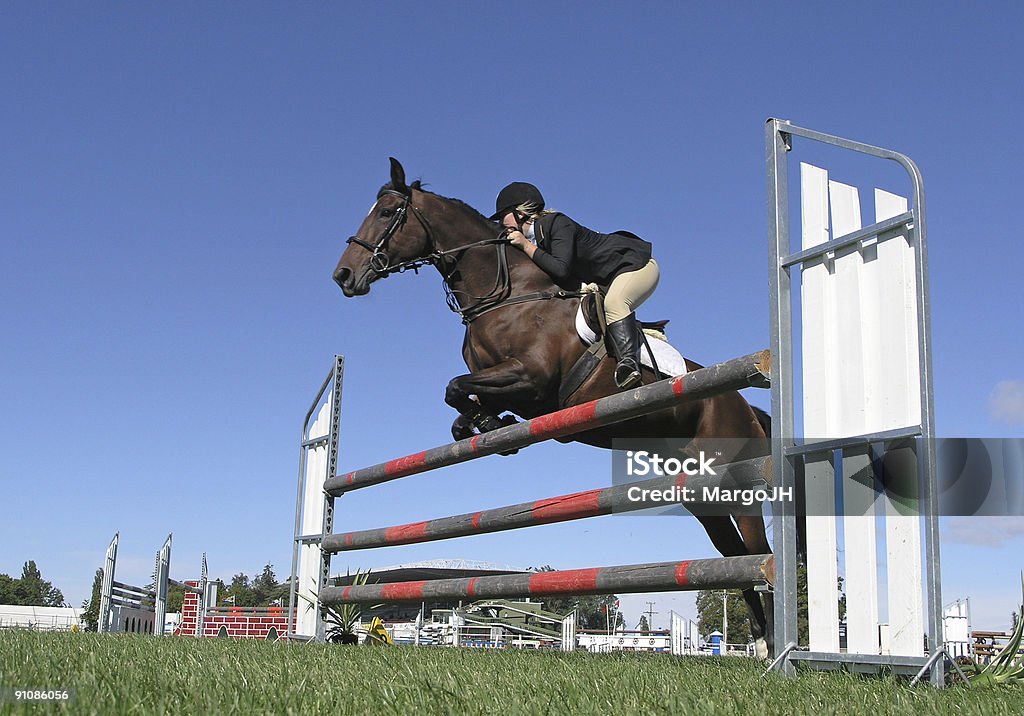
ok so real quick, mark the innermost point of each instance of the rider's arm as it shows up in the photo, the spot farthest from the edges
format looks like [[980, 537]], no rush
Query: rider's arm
[[558, 263], [522, 243]]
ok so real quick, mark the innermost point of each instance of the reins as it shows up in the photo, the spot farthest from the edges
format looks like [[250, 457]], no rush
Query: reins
[[499, 296]]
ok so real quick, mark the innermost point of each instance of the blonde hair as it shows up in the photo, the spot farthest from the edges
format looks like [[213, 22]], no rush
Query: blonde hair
[[532, 211]]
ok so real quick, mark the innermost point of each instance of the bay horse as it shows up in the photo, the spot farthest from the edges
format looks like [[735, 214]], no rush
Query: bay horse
[[521, 340]]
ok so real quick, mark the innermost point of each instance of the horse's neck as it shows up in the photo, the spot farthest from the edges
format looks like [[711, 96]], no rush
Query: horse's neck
[[476, 271]]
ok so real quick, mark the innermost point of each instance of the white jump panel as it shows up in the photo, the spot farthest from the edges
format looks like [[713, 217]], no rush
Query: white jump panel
[[312, 523], [860, 375], [107, 586], [820, 378], [854, 341]]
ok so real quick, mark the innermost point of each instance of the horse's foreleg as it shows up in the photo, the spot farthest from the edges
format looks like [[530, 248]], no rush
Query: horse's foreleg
[[462, 428], [487, 386]]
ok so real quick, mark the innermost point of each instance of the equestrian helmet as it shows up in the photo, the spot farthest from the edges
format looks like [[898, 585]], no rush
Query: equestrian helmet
[[516, 193]]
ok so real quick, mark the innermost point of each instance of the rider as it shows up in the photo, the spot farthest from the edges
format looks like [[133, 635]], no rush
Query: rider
[[619, 263]]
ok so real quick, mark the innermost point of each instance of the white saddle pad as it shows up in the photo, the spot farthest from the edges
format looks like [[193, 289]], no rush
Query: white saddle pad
[[670, 361]]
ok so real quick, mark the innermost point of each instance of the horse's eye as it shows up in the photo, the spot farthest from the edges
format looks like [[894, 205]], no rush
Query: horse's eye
[[387, 212]]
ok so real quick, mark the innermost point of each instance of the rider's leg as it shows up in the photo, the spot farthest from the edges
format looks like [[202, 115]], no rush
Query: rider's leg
[[626, 292]]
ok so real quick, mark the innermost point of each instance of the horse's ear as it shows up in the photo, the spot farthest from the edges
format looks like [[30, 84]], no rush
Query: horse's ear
[[398, 176]]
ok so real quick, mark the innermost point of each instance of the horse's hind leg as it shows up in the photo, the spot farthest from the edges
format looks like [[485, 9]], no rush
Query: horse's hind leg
[[762, 611], [726, 539], [725, 419]]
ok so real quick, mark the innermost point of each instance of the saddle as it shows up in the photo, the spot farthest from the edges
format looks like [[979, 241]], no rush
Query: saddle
[[592, 310], [592, 305]]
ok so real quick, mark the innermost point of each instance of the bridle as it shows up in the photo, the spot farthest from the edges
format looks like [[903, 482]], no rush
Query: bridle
[[380, 262], [497, 297]]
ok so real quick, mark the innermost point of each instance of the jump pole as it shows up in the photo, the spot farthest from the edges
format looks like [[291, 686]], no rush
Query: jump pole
[[319, 484], [750, 371], [748, 474], [718, 573]]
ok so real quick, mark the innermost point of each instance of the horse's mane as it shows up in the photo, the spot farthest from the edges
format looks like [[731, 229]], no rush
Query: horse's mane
[[418, 186]]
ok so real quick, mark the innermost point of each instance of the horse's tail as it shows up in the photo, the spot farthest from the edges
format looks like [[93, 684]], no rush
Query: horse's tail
[[765, 421]]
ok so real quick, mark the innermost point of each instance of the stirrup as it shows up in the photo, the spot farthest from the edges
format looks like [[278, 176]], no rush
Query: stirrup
[[627, 374]]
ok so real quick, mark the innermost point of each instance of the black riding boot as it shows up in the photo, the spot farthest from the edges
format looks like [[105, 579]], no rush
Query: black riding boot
[[625, 345]]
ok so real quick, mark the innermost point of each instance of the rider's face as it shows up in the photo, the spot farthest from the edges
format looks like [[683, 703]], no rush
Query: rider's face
[[509, 220]]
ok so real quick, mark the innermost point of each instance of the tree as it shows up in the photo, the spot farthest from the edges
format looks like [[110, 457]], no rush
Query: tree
[[592, 612], [33, 591], [241, 591], [643, 625], [91, 615], [709, 610], [802, 622], [265, 586], [709, 614], [175, 598], [7, 589]]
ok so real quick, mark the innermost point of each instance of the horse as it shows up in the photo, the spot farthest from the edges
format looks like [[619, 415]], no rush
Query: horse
[[520, 342]]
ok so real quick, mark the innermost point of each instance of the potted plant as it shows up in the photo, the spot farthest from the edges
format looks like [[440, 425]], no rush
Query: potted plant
[[1006, 668], [343, 620]]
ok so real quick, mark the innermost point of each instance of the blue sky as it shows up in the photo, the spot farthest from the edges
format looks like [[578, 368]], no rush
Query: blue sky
[[177, 182]]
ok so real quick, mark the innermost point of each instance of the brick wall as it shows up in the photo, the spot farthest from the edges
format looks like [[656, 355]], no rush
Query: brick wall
[[240, 622]]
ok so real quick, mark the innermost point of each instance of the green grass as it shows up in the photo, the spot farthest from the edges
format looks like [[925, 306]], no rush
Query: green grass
[[142, 675]]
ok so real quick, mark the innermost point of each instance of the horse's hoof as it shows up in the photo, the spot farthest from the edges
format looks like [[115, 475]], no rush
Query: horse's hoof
[[487, 423], [462, 428], [761, 648], [506, 421]]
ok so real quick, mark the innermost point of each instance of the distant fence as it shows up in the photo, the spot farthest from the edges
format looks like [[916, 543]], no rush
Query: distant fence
[[16, 616]]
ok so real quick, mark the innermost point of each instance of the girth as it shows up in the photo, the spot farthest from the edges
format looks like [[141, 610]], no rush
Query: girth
[[471, 315]]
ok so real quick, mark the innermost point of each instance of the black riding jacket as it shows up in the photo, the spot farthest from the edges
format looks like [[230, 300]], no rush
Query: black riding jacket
[[566, 250]]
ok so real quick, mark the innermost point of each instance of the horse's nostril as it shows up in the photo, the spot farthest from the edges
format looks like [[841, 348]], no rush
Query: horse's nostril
[[341, 276]]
